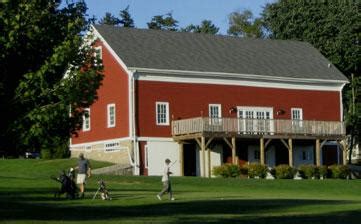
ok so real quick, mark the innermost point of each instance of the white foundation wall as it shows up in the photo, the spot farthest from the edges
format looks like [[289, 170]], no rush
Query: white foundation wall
[[216, 157], [158, 152]]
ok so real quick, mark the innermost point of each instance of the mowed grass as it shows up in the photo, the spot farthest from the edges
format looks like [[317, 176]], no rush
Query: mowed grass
[[26, 196]]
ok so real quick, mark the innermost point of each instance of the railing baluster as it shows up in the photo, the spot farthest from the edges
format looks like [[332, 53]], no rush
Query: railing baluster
[[257, 126]]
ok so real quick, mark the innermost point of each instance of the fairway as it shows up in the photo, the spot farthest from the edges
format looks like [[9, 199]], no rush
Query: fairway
[[26, 196]]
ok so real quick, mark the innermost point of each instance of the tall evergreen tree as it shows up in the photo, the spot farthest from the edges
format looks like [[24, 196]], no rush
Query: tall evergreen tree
[[126, 19], [206, 27], [163, 22], [334, 28], [243, 24], [109, 19], [48, 74]]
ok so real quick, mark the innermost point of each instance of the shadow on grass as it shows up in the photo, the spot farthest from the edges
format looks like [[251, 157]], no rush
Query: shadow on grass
[[201, 211]]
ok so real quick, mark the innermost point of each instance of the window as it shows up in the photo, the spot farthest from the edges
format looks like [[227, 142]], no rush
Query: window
[[98, 52], [256, 155], [297, 117], [111, 115], [162, 113], [215, 113], [297, 114], [86, 120], [306, 155]]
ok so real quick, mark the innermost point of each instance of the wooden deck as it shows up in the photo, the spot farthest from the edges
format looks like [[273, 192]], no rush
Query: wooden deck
[[255, 128]]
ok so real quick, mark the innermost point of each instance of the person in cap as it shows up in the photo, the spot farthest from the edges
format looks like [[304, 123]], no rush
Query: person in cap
[[167, 188], [84, 171]]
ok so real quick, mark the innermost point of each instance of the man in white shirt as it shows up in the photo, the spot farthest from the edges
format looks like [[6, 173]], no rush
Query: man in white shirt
[[166, 182]]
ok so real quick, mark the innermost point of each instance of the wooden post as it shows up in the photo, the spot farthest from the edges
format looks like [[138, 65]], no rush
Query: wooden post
[[234, 150], [181, 159], [318, 152], [203, 162], [290, 154], [344, 152], [262, 156]]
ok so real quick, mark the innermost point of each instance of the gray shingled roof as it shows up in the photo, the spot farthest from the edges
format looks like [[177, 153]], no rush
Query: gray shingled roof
[[155, 49]]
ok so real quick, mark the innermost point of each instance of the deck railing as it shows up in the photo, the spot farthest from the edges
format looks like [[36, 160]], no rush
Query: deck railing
[[257, 126]]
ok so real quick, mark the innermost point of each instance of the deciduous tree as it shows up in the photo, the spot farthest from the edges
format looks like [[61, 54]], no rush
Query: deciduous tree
[[49, 72], [243, 24], [334, 28]]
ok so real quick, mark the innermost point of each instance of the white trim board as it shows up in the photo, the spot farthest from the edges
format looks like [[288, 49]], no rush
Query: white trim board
[[239, 82], [101, 142], [155, 139], [234, 75]]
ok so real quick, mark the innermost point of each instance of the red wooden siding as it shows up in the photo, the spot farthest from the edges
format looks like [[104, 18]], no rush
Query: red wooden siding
[[191, 100], [114, 89]]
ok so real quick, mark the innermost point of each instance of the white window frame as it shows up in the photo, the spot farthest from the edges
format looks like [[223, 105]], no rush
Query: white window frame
[[218, 106], [306, 155], [99, 52], [215, 120], [109, 116], [86, 120], [158, 122], [247, 116], [297, 123], [300, 112]]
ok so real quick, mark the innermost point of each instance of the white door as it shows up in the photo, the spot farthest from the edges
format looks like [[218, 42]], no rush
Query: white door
[[255, 120]]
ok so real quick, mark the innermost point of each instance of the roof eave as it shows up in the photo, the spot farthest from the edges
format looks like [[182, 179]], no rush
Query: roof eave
[[236, 76]]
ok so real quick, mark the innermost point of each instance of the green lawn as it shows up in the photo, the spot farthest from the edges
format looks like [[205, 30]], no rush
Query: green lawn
[[26, 196]]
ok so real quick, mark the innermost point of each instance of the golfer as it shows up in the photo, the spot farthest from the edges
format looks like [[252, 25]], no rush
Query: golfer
[[84, 171], [167, 188]]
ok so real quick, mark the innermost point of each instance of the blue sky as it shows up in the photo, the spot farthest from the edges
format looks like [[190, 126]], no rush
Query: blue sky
[[185, 11]]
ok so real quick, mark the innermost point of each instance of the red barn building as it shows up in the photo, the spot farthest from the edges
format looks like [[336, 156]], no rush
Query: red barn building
[[204, 100]]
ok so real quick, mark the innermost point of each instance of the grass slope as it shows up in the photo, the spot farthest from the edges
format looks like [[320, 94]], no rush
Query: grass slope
[[26, 196]]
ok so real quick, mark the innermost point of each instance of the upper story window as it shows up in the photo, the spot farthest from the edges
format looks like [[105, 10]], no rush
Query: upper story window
[[99, 52], [297, 114], [215, 111], [86, 120], [111, 115], [162, 113]]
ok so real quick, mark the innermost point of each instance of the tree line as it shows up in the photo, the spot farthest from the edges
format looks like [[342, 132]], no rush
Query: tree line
[[49, 72]]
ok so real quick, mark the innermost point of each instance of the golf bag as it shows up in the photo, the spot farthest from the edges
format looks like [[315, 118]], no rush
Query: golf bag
[[104, 193], [68, 186]]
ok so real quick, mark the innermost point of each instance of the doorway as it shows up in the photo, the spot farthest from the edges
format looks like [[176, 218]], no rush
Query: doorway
[[190, 159]]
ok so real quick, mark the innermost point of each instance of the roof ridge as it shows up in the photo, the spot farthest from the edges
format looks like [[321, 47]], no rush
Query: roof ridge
[[222, 36]]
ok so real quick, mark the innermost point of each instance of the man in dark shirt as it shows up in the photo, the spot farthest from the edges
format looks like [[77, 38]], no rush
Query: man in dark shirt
[[84, 171]]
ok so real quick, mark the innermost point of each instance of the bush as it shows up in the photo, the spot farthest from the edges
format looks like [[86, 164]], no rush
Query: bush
[[322, 171], [307, 171], [227, 170], [244, 171], [284, 172], [257, 170], [340, 171]]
